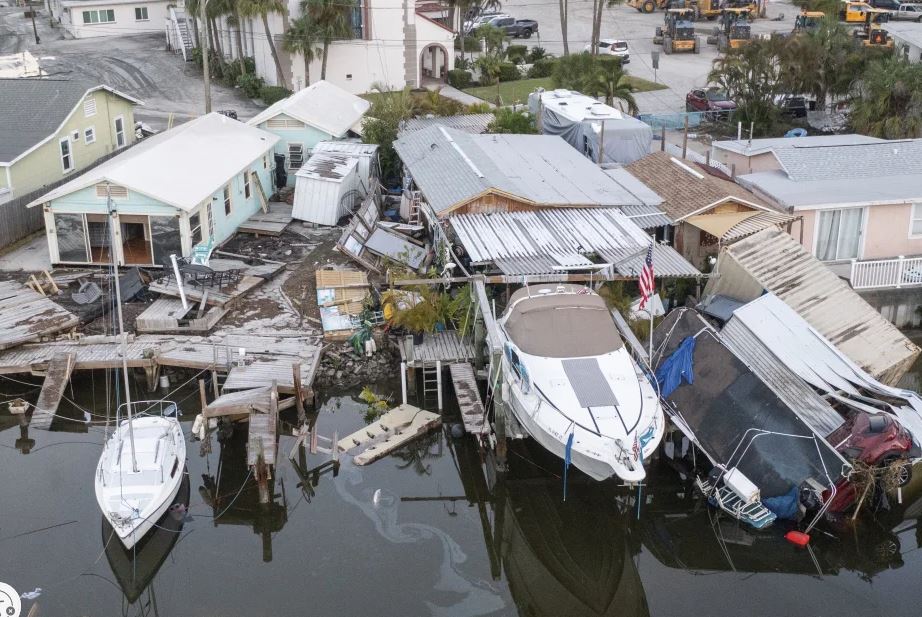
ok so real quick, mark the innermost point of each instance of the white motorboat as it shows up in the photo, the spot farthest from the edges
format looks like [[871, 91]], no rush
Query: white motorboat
[[137, 482], [568, 375]]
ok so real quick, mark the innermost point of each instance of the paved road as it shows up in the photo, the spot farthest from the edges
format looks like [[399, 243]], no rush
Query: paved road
[[138, 65], [681, 72]]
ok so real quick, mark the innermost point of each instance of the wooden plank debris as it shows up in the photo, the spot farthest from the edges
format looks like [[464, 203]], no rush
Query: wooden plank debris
[[167, 315], [263, 433], [59, 371], [236, 403], [251, 277], [445, 347], [270, 223], [391, 431], [26, 315], [472, 411]]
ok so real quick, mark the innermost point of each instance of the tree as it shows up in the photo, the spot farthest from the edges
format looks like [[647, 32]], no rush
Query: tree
[[887, 101], [382, 122], [494, 37], [302, 38], [238, 20], [330, 21], [612, 83], [597, 6], [595, 76], [261, 9], [489, 65], [507, 120], [564, 6], [752, 76]]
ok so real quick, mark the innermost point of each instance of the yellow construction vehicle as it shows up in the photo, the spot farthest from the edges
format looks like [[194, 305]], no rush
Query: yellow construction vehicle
[[677, 34], [733, 30], [872, 33], [648, 6], [852, 12], [808, 21]]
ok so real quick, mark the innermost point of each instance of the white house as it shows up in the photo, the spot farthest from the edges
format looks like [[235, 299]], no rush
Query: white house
[[392, 44], [907, 39], [83, 19]]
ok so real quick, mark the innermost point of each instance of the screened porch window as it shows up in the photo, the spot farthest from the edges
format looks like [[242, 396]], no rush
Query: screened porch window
[[70, 231], [839, 234], [195, 224]]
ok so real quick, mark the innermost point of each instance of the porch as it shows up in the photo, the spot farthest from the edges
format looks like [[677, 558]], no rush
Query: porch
[[881, 273]]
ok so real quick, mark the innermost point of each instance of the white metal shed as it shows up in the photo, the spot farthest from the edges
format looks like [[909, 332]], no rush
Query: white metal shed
[[367, 155], [327, 188]]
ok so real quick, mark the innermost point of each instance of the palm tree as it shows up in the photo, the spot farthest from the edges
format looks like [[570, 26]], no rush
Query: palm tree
[[235, 18], [262, 8], [330, 22], [887, 102], [301, 38], [614, 84]]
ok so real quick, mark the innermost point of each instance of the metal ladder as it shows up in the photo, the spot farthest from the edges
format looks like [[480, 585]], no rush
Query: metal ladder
[[430, 384]]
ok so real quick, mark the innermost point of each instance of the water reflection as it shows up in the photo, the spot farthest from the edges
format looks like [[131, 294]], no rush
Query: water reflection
[[135, 569]]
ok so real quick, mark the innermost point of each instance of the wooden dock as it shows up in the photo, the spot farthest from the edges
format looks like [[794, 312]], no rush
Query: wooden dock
[[262, 439], [59, 371], [472, 411], [271, 223], [393, 430], [252, 276], [26, 315], [167, 315], [444, 347]]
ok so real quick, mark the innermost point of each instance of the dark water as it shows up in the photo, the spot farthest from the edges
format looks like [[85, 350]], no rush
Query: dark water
[[423, 534]]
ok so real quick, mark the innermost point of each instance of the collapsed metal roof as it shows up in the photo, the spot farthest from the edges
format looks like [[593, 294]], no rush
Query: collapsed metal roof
[[555, 239]]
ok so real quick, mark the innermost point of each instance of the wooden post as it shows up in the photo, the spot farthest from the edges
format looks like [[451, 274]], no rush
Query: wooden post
[[662, 138], [500, 411], [152, 374], [203, 398], [438, 383], [685, 139], [299, 394], [403, 382]]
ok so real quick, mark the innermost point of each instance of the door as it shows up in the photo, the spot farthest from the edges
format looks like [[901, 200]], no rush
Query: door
[[839, 234]]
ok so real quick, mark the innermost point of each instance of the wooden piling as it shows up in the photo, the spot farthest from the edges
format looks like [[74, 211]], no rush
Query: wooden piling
[[299, 392]]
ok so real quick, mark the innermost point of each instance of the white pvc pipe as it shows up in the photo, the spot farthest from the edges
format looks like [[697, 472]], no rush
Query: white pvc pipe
[[403, 381], [182, 293]]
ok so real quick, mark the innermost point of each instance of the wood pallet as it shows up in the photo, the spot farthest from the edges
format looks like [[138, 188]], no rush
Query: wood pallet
[[167, 315]]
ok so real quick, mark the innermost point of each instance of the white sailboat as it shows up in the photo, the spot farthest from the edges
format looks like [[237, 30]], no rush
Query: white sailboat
[[143, 462], [568, 376]]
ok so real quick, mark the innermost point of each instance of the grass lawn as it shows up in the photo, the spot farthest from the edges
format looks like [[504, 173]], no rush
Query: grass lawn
[[518, 91]]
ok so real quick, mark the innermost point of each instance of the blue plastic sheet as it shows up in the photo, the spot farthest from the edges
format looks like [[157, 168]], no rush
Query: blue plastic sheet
[[784, 506], [673, 369]]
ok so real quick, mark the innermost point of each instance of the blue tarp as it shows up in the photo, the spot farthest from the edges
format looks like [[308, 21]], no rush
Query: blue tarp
[[785, 507], [670, 372]]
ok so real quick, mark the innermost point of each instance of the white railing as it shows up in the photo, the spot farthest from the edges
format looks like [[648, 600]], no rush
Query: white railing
[[879, 273]]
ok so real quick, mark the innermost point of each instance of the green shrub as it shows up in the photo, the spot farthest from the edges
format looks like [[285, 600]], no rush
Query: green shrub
[[516, 53], [273, 94], [463, 63], [471, 43], [541, 68], [460, 79], [509, 72], [535, 54], [250, 84]]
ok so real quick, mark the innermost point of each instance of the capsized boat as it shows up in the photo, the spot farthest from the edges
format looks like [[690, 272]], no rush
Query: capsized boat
[[136, 482], [570, 379]]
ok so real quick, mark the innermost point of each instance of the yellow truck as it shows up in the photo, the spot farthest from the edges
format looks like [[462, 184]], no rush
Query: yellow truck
[[677, 34]]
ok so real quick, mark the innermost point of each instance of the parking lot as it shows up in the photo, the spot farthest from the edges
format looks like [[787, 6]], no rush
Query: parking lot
[[680, 72]]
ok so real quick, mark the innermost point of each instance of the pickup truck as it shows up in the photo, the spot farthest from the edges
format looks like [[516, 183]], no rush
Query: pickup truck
[[516, 28], [907, 12]]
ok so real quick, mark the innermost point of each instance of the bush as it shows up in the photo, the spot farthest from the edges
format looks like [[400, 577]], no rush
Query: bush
[[471, 43], [273, 94], [541, 68], [536, 53], [463, 63], [250, 84], [509, 72], [516, 53], [460, 79]]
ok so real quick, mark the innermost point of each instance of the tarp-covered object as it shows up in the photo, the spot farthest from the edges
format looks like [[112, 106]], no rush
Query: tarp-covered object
[[728, 405], [626, 139], [670, 372]]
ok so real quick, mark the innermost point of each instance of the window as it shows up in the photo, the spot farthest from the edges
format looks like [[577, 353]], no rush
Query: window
[[71, 234], [89, 135], [295, 156], [246, 185], [356, 18], [67, 157], [839, 233], [265, 161], [195, 224], [210, 218], [140, 13], [102, 16], [120, 132], [227, 200], [915, 221], [75, 136], [89, 107]]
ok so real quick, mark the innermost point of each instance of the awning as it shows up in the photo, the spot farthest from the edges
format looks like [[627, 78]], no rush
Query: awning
[[731, 226], [719, 224]]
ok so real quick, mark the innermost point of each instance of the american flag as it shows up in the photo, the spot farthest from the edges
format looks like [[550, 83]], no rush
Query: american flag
[[647, 288]]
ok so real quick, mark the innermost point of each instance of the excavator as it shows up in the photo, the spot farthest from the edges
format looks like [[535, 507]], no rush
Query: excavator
[[733, 30], [808, 21], [872, 33], [648, 6], [677, 34]]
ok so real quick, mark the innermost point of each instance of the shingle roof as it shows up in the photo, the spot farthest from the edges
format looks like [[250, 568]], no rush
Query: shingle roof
[[874, 160], [451, 167], [787, 193], [32, 110], [469, 123], [760, 146], [321, 105], [684, 187], [782, 266]]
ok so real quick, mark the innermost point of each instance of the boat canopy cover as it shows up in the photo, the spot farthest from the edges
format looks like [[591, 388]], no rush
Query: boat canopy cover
[[563, 326], [736, 418], [670, 372]]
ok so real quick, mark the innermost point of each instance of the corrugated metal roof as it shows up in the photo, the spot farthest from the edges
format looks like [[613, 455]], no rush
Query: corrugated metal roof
[[327, 166], [547, 240], [646, 217], [868, 161], [756, 224], [354, 148], [782, 266], [787, 386], [469, 123], [451, 167], [631, 184]]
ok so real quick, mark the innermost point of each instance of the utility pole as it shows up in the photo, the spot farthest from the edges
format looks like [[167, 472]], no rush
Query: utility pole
[[205, 52], [34, 28]]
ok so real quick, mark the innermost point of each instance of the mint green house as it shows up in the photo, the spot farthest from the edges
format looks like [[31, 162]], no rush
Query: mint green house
[[191, 185], [320, 112]]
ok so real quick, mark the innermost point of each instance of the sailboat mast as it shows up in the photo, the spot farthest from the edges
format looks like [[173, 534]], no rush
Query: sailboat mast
[[121, 326]]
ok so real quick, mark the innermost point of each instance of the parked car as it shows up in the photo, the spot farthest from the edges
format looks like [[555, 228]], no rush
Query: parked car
[[887, 5], [708, 99], [907, 12], [473, 24], [515, 28], [794, 105], [612, 47]]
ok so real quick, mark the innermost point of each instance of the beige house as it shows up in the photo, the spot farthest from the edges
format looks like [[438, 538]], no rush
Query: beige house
[[749, 156]]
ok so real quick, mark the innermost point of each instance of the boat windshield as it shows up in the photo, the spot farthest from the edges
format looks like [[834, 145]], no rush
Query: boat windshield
[[563, 326]]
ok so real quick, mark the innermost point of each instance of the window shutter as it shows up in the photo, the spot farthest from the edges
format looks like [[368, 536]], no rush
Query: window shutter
[[89, 107], [115, 191]]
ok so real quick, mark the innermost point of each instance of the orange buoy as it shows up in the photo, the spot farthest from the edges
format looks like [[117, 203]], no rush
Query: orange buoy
[[797, 538]]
